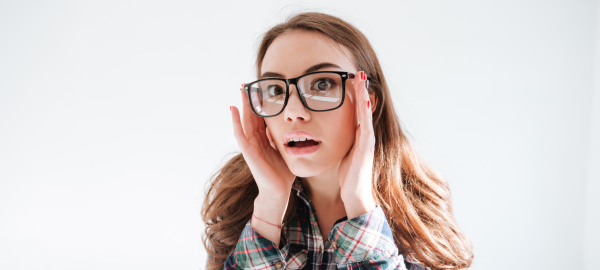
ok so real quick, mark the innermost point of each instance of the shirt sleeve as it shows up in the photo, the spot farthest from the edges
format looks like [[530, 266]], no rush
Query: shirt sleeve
[[254, 251], [366, 242]]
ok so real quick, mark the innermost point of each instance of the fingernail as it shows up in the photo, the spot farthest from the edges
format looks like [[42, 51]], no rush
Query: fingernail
[[368, 104], [363, 76]]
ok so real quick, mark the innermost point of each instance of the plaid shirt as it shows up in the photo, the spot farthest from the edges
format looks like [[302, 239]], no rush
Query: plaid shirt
[[363, 242]]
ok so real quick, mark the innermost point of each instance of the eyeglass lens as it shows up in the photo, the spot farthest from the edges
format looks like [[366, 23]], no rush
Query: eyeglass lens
[[321, 91]]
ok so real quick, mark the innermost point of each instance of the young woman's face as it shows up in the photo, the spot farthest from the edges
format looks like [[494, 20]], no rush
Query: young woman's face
[[291, 55]]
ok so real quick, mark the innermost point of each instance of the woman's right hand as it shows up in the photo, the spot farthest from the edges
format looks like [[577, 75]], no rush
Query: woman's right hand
[[271, 173]]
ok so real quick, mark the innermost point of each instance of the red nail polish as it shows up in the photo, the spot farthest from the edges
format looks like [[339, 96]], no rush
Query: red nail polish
[[363, 76], [368, 104]]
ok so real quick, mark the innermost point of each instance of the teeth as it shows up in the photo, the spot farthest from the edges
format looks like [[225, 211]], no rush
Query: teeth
[[297, 139]]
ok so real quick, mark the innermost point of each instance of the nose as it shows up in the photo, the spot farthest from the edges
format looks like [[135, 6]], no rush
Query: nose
[[295, 110]]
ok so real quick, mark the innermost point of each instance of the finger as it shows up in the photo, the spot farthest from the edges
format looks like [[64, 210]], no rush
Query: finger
[[360, 87], [367, 137], [238, 131], [261, 124], [357, 137], [248, 123], [263, 131], [360, 92], [258, 123], [254, 126]]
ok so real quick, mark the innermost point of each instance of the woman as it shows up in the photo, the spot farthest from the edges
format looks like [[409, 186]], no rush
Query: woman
[[320, 135]]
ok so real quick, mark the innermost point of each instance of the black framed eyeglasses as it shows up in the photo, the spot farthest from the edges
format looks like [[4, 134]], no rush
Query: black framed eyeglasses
[[319, 91]]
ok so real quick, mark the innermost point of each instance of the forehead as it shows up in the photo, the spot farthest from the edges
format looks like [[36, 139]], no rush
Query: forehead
[[293, 52]]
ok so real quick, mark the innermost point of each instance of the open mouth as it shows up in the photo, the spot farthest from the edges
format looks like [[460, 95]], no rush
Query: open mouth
[[301, 146]]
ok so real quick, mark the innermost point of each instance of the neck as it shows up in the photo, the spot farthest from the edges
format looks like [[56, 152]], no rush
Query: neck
[[323, 188]]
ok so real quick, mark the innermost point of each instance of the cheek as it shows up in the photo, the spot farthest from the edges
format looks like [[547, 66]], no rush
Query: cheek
[[272, 129], [342, 126]]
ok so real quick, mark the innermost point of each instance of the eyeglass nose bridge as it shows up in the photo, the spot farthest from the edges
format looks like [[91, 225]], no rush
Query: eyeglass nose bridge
[[290, 82]]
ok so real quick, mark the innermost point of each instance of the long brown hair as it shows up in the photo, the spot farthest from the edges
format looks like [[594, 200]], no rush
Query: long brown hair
[[415, 199]]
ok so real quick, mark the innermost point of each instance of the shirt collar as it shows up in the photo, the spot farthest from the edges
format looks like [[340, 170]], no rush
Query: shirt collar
[[299, 188], [297, 185]]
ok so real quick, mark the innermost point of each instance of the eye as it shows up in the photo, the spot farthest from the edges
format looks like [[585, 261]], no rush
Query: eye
[[275, 90], [322, 84]]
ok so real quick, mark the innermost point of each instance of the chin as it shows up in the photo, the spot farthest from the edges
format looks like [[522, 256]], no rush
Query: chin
[[303, 168]]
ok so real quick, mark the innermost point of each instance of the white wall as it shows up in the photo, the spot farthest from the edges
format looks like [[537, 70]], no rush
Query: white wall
[[113, 114], [591, 238]]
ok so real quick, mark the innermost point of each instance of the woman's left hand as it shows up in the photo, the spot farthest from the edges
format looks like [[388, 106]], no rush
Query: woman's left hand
[[356, 168]]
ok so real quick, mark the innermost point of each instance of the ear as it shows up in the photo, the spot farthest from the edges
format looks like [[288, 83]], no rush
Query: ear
[[373, 98], [271, 141]]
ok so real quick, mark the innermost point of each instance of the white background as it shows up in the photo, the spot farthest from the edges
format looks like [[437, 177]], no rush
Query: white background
[[114, 114]]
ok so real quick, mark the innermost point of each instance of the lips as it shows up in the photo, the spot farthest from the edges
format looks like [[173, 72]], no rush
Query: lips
[[303, 143], [298, 134]]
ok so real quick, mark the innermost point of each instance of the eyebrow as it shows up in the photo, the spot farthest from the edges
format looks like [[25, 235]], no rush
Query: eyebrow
[[309, 70]]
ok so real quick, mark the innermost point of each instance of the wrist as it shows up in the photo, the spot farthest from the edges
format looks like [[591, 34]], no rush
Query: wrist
[[271, 202], [361, 195], [357, 205], [270, 209]]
